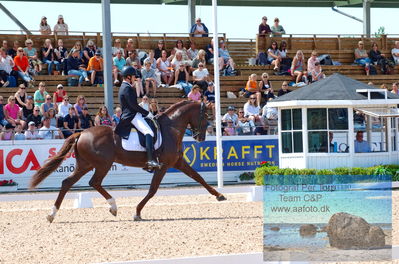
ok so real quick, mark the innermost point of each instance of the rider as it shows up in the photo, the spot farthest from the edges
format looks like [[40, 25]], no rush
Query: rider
[[132, 113]]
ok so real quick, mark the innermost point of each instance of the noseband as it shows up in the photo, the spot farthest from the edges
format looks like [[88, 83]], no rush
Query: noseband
[[197, 131]]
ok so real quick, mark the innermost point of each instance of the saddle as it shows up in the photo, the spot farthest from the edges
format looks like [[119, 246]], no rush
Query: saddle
[[136, 139]]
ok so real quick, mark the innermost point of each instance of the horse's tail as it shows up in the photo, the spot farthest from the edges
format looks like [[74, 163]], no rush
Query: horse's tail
[[53, 163]]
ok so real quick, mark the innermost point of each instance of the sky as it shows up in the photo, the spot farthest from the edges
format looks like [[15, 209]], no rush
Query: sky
[[236, 22]]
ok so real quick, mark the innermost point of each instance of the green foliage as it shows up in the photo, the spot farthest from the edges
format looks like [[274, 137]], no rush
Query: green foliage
[[380, 32], [246, 176]]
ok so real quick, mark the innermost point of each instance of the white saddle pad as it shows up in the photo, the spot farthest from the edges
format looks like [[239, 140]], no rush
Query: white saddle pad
[[133, 143]]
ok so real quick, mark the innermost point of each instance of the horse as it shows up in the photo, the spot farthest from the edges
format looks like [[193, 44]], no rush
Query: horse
[[99, 147]]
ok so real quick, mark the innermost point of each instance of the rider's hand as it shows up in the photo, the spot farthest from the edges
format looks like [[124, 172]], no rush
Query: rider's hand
[[150, 116]]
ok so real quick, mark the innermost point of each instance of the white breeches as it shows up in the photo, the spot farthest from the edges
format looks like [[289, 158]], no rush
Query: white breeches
[[140, 124]]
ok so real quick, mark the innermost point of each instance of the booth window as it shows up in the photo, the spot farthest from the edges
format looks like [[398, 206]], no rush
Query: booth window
[[374, 131], [291, 130], [327, 130], [394, 129]]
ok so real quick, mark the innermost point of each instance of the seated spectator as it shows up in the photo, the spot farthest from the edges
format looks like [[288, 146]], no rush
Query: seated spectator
[[179, 48], [13, 113], [199, 29], [31, 53], [71, 123], [40, 94], [145, 103], [285, 60], [117, 48], [298, 67], [103, 118], [80, 104], [273, 56], [58, 95], [269, 113], [154, 106], [224, 57], [201, 76], [133, 57], [85, 119], [44, 28], [251, 110], [22, 67], [78, 46], [18, 133], [360, 144], [46, 106], [6, 68], [377, 58], [209, 97], [317, 73], [61, 54], [118, 63], [195, 94], [153, 62], [95, 67], [116, 117], [129, 47], [265, 87], [264, 29], [182, 78], [89, 51], [3, 121], [395, 53], [149, 78], [8, 133], [159, 49], [12, 52], [35, 117], [76, 67], [192, 52], [49, 57], [395, 89], [52, 116], [229, 130], [48, 131], [177, 61], [245, 126], [61, 28], [209, 52], [4, 45], [277, 29], [199, 59], [165, 67], [210, 131], [31, 132], [362, 58], [251, 88], [311, 62], [230, 116], [20, 95], [284, 89], [138, 83], [63, 108], [27, 109]]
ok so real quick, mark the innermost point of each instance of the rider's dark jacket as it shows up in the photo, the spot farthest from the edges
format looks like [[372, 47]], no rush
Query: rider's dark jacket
[[130, 107]]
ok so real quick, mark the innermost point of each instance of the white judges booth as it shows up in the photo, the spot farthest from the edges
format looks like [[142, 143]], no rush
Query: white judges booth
[[337, 122]]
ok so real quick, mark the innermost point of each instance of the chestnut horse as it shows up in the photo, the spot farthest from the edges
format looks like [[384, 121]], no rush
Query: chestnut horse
[[99, 147]]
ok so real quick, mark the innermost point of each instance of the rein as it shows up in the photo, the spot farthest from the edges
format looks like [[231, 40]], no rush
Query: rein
[[197, 131]]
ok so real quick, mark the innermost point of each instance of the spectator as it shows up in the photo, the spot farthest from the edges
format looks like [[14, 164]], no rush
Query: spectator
[[79, 48], [201, 76], [154, 106], [103, 118], [119, 63], [44, 28], [12, 113], [116, 117], [52, 117], [89, 51], [273, 56], [3, 121], [133, 57], [210, 131], [317, 73], [245, 125], [395, 53], [61, 54], [138, 83], [80, 104], [118, 48], [95, 67], [27, 109], [265, 87], [395, 89], [31, 53], [18, 133], [264, 28], [269, 113], [362, 58], [209, 97], [312, 61], [31, 132], [209, 52], [46, 105], [20, 95], [377, 58], [195, 94], [298, 67], [12, 52], [177, 60], [63, 108], [8, 133], [48, 131], [277, 29], [22, 66], [164, 66], [144, 103], [192, 51], [251, 110], [200, 58], [283, 53], [40, 94], [360, 144], [129, 47], [230, 115], [149, 78], [35, 117], [85, 119], [49, 57], [229, 130], [224, 57], [60, 28], [71, 123], [159, 49], [252, 88], [181, 80], [199, 29], [180, 48], [6, 68], [153, 62], [76, 67], [4, 45], [284, 89], [58, 95]]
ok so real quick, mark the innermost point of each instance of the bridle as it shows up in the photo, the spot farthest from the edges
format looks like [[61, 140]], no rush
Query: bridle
[[197, 131]]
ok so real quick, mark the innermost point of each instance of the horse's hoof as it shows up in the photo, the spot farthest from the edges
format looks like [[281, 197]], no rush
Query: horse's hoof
[[50, 218], [137, 218], [221, 198], [114, 212]]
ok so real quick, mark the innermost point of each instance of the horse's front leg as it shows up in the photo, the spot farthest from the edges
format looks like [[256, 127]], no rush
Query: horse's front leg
[[156, 181]]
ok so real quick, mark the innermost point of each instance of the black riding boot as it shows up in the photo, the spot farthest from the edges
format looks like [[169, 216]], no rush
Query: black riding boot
[[149, 145]]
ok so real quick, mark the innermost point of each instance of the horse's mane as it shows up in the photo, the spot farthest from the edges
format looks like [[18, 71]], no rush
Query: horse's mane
[[171, 109]]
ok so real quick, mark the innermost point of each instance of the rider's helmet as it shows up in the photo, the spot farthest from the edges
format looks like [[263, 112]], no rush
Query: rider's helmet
[[128, 71]]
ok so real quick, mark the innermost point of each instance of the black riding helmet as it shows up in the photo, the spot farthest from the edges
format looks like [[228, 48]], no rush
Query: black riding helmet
[[128, 71]]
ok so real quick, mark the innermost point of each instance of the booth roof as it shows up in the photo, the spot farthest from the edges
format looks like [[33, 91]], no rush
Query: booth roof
[[334, 87]]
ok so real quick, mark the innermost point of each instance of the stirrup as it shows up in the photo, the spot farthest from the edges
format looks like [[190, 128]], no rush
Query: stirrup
[[152, 164]]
